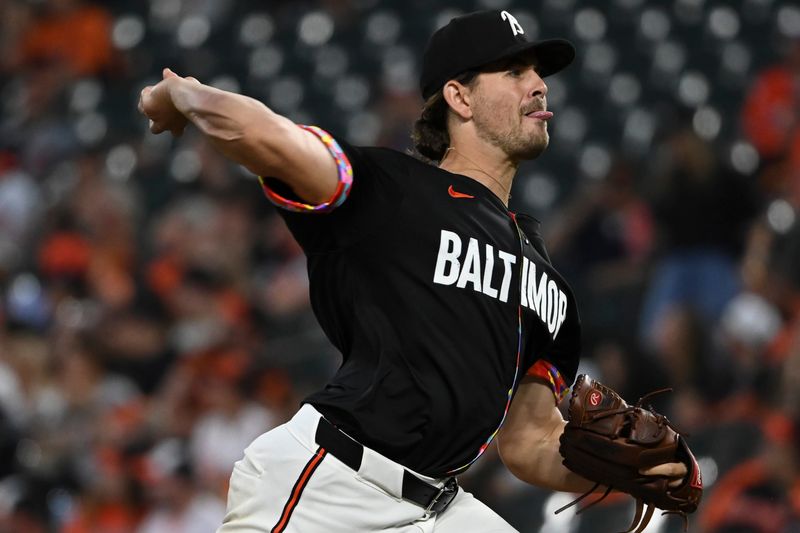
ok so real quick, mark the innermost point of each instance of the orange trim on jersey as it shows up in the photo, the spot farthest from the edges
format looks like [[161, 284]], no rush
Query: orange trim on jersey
[[298, 488]]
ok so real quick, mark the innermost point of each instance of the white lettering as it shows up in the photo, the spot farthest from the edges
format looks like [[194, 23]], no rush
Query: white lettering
[[540, 298], [508, 260], [512, 20], [524, 282], [562, 311], [531, 285], [471, 273], [449, 250], [543, 296], [488, 270], [546, 299], [552, 306]]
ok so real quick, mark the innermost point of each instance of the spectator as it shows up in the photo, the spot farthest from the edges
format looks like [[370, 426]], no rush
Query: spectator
[[603, 237], [229, 421], [177, 504], [20, 208], [73, 34], [771, 121], [701, 211]]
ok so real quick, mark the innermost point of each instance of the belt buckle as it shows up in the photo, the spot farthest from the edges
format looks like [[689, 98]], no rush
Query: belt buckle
[[442, 500]]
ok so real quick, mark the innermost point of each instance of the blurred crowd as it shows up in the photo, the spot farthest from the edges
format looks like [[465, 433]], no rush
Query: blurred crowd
[[154, 312]]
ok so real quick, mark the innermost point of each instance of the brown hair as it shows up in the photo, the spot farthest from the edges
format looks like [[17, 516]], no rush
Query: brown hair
[[429, 133]]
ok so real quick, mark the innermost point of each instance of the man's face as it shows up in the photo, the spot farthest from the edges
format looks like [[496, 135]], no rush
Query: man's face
[[503, 98]]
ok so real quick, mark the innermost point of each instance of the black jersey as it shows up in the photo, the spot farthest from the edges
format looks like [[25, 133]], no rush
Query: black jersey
[[439, 300]]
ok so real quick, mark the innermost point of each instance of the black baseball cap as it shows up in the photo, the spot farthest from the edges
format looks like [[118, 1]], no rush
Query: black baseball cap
[[483, 37]]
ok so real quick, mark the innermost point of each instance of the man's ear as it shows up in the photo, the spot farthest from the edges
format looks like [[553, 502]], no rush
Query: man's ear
[[459, 97]]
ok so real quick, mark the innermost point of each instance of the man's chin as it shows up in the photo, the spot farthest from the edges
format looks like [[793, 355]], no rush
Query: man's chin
[[534, 149]]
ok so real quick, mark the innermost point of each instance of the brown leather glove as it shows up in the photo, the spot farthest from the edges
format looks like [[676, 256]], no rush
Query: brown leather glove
[[609, 442]]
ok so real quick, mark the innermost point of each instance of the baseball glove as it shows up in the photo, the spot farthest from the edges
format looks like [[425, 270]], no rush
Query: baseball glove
[[608, 441]]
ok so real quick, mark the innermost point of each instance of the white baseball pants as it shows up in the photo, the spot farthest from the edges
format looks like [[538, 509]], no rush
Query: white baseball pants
[[286, 484]]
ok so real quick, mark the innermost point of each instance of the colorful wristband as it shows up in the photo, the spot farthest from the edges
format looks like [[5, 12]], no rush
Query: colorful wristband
[[342, 189], [549, 373]]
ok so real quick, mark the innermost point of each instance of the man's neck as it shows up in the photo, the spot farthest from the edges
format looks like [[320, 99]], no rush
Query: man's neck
[[484, 163]]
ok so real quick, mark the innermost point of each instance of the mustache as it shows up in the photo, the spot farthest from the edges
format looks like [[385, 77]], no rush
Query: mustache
[[536, 106]]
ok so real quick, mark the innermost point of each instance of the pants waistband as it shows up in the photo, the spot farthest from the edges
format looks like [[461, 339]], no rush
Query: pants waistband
[[432, 494]]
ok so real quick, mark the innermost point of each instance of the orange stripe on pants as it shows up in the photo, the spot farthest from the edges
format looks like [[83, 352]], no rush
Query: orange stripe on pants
[[297, 490]]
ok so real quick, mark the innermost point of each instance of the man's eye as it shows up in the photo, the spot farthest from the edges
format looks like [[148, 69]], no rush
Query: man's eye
[[516, 72]]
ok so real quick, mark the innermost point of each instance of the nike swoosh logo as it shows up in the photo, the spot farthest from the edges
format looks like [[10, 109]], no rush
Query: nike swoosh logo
[[455, 194]]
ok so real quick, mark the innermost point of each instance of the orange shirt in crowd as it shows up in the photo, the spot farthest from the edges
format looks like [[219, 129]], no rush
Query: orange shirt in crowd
[[81, 39], [108, 518], [770, 112]]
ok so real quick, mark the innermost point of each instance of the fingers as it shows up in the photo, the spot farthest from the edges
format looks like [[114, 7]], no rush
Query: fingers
[[143, 98], [155, 127], [160, 113], [677, 471], [168, 73], [674, 470], [675, 483]]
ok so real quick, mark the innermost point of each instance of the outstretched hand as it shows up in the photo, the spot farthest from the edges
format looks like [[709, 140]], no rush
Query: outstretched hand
[[156, 103]]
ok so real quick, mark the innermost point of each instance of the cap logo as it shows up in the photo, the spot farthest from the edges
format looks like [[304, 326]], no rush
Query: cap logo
[[512, 21]]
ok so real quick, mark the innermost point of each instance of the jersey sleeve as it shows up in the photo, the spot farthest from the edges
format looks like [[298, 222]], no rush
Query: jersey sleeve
[[366, 196], [559, 365]]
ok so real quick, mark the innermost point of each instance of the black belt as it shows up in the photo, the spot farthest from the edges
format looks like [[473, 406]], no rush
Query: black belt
[[430, 497]]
